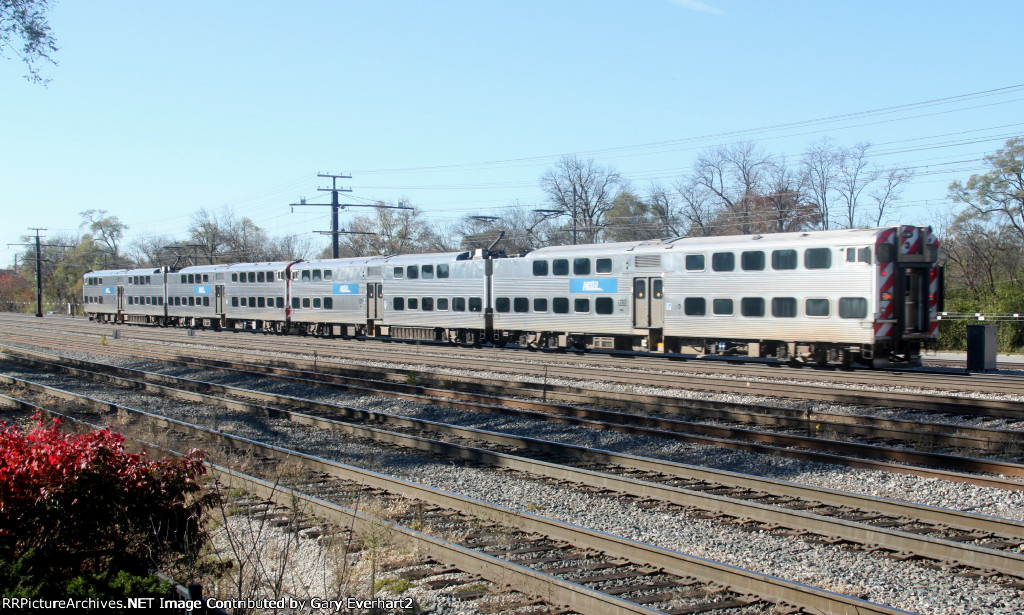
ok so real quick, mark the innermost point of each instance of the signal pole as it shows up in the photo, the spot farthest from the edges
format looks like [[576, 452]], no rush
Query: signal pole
[[336, 206]]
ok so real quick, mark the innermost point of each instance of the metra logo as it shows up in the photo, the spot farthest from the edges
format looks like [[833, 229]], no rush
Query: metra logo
[[201, 290], [346, 289], [108, 290], [607, 285]]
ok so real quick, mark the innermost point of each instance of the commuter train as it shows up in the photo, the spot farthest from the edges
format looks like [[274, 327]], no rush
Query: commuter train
[[862, 295]]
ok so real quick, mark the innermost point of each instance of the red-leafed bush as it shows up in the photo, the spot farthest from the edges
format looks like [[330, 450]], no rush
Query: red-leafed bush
[[81, 504]]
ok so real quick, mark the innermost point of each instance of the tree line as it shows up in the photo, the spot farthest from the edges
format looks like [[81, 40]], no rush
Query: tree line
[[730, 189]]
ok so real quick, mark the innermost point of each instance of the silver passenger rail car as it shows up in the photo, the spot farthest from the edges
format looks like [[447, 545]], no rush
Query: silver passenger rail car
[[253, 295], [337, 296], [441, 297]]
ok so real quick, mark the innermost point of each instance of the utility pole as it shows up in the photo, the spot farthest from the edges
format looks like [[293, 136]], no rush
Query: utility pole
[[39, 266], [336, 206]]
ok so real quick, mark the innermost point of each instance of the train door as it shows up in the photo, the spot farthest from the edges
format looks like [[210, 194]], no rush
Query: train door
[[374, 300], [220, 298], [120, 298], [648, 303], [915, 291]]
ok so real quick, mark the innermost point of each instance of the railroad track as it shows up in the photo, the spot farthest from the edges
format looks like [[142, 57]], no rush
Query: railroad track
[[642, 369], [852, 454], [899, 528], [591, 572]]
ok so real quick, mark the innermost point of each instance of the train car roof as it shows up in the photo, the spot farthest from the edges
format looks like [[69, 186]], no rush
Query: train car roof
[[434, 257], [235, 267], [820, 238], [141, 271]]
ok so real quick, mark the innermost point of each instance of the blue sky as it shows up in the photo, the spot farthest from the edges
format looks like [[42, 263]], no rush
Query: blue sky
[[159, 109]]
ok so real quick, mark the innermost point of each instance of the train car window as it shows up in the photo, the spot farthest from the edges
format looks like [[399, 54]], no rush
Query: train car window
[[206, 277], [305, 302], [295, 303], [817, 307], [604, 265], [159, 300], [234, 277], [540, 305], [192, 301], [502, 304], [818, 258], [149, 301], [864, 255], [412, 272], [148, 280], [428, 272], [206, 301], [560, 266], [695, 262], [306, 275], [695, 306], [540, 268], [752, 307], [328, 303], [252, 277], [399, 273], [581, 266], [851, 255], [398, 303], [442, 304], [521, 305], [721, 307], [784, 307], [261, 302], [191, 279], [783, 259], [723, 261], [604, 305], [427, 304], [885, 253], [279, 302], [476, 304], [317, 275], [412, 303], [442, 271], [327, 274], [458, 304], [581, 306], [853, 307], [259, 277], [560, 305], [317, 303], [752, 261]]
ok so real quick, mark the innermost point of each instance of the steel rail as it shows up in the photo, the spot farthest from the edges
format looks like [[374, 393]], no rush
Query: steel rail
[[861, 533], [658, 427], [766, 587], [476, 356], [526, 580]]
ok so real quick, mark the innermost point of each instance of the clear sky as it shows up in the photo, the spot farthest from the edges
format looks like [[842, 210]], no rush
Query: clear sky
[[158, 109]]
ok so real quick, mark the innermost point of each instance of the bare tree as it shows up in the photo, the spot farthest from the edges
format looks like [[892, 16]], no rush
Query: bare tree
[[785, 201], [584, 190], [151, 251], [698, 208], [734, 175], [821, 164], [888, 189], [854, 176]]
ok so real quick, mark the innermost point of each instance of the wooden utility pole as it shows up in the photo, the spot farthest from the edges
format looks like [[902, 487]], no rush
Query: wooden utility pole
[[336, 206]]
